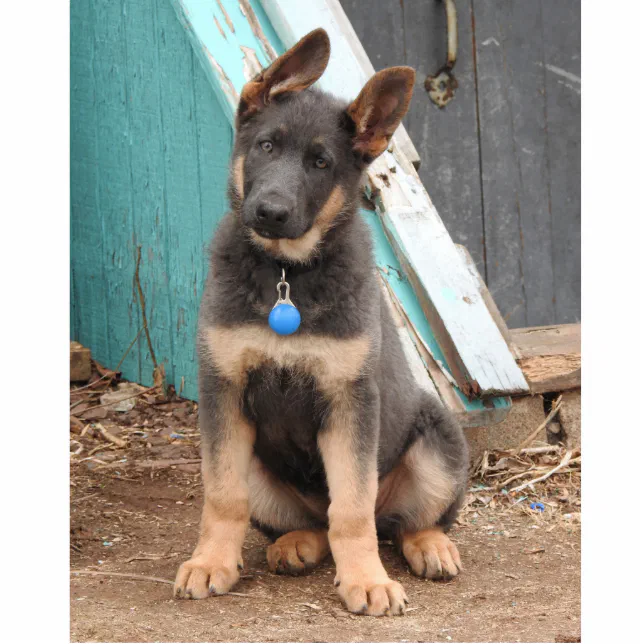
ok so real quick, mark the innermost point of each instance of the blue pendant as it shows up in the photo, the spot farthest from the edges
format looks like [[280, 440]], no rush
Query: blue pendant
[[284, 319]]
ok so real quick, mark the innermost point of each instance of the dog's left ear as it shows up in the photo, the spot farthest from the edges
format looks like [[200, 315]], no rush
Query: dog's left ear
[[379, 109], [293, 71]]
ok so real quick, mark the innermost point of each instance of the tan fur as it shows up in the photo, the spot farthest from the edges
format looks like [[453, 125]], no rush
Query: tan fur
[[238, 175], [303, 248], [362, 582], [419, 489], [297, 552], [215, 562], [279, 505], [431, 554], [295, 83], [234, 351]]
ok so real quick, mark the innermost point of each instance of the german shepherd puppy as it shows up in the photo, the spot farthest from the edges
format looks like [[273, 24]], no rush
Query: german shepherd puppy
[[322, 438]]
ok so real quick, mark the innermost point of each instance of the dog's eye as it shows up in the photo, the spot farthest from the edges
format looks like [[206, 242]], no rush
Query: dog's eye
[[267, 146], [321, 163]]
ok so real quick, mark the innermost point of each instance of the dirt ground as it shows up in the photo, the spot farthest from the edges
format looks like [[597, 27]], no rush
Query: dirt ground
[[135, 510]]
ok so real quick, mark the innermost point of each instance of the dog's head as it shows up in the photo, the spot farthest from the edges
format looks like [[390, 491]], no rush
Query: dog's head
[[300, 153]]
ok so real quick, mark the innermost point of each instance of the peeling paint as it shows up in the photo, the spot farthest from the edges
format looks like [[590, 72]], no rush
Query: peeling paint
[[251, 63], [577, 90], [226, 84], [229, 22], [561, 72], [490, 41], [221, 31], [249, 14]]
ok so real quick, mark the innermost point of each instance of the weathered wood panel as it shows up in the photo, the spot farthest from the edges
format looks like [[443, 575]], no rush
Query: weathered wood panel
[[550, 357], [562, 65], [515, 177], [114, 178], [142, 38]]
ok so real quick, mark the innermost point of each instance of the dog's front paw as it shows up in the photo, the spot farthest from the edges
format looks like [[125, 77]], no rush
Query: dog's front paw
[[364, 593], [202, 576]]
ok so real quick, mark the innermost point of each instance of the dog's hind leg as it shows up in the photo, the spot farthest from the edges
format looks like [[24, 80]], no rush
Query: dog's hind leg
[[297, 552], [296, 521], [419, 500]]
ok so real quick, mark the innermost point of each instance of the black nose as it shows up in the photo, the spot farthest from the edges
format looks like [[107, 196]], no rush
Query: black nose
[[272, 214]]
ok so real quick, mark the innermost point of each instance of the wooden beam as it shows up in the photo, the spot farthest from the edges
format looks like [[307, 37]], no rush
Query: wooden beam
[[486, 295], [470, 413], [549, 356], [450, 295]]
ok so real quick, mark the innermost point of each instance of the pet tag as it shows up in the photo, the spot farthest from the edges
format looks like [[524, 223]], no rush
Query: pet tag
[[284, 319]]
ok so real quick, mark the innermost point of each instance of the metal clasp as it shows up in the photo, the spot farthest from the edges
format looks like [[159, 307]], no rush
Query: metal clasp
[[442, 85], [287, 291]]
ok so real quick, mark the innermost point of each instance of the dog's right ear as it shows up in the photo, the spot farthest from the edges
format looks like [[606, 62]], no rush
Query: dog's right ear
[[293, 71]]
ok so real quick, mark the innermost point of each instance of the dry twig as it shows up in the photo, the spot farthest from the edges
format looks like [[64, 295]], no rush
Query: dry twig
[[140, 393], [564, 461], [119, 442], [133, 577], [127, 575]]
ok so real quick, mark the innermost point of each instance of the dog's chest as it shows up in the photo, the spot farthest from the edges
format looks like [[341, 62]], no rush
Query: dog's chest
[[330, 362]]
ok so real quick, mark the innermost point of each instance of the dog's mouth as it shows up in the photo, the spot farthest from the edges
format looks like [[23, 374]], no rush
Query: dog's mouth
[[266, 234]]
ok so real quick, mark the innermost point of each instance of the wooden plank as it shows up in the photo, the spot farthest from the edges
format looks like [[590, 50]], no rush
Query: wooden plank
[[514, 153], [380, 32], [115, 193], [562, 71], [549, 356], [90, 303], [184, 261], [470, 413], [474, 348], [347, 53], [229, 55], [486, 295], [412, 356], [144, 98], [547, 340]]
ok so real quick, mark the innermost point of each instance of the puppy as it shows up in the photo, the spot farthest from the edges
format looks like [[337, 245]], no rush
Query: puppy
[[321, 437]]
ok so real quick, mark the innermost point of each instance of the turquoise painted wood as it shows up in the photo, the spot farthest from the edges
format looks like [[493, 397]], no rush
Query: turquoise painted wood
[[149, 162]]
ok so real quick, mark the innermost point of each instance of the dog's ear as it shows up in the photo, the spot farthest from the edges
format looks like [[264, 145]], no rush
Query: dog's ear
[[293, 71], [379, 109]]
